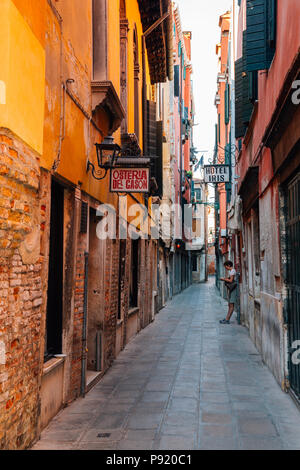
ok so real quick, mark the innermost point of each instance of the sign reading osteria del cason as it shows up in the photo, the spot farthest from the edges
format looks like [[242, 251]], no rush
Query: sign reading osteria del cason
[[129, 180]]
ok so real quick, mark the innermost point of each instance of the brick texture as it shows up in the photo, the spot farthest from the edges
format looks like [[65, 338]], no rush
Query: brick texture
[[21, 295]]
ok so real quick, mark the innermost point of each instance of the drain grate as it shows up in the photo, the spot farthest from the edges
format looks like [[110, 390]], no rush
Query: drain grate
[[104, 435]]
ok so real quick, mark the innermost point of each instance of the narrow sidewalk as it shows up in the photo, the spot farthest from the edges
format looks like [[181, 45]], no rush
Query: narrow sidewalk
[[185, 382]]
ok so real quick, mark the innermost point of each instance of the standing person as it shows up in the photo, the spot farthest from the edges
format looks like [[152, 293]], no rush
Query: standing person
[[231, 285]]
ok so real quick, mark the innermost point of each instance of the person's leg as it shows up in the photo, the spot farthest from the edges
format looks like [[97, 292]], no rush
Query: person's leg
[[230, 311]]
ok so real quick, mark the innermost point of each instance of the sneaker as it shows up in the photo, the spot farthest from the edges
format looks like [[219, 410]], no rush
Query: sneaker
[[224, 322]]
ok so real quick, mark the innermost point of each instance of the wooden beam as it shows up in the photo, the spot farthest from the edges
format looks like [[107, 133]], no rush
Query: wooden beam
[[156, 24]]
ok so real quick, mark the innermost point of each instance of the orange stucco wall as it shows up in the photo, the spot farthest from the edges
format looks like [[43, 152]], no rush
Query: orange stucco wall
[[80, 135]]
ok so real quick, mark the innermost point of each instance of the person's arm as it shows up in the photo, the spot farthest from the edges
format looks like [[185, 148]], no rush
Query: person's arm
[[230, 279]]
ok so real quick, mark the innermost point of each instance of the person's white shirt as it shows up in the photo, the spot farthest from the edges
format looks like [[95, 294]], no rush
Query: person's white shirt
[[232, 272]]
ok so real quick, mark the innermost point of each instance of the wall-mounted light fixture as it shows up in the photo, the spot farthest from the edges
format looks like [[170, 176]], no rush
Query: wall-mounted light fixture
[[107, 156]]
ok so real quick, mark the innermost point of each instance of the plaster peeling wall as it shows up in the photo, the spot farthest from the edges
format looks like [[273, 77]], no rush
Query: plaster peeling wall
[[272, 335]]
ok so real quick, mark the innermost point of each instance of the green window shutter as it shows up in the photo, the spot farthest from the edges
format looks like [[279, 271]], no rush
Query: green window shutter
[[227, 154], [253, 86], [176, 80], [192, 190], [259, 54], [239, 126], [247, 105], [184, 73], [182, 59], [179, 49], [227, 104], [228, 162], [198, 194]]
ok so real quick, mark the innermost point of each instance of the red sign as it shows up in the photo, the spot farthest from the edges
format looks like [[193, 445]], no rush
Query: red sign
[[129, 180]]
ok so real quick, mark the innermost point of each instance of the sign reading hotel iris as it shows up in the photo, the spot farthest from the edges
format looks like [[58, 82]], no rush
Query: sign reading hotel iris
[[129, 180], [216, 174]]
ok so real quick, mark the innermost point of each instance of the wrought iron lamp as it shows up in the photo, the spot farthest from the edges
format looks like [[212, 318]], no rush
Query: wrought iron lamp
[[107, 155]]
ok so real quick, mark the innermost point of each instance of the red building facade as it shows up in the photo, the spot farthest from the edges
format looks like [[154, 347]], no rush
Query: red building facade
[[268, 164]]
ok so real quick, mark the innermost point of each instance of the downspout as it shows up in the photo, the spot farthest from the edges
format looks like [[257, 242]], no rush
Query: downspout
[[84, 326], [62, 90]]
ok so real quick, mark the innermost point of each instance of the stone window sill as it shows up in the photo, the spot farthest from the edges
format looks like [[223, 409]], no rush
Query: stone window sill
[[133, 310], [53, 363]]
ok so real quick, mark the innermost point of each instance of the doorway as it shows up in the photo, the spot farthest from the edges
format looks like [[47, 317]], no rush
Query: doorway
[[293, 279], [95, 324], [53, 334]]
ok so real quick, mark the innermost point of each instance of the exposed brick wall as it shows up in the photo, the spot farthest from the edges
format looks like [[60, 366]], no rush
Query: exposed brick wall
[[21, 294], [77, 347], [25, 193], [111, 298]]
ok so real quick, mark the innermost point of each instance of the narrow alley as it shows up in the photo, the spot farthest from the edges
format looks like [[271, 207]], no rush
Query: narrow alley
[[185, 382]]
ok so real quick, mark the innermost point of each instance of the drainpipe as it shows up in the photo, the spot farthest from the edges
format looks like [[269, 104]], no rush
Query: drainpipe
[[84, 326], [62, 89], [144, 97]]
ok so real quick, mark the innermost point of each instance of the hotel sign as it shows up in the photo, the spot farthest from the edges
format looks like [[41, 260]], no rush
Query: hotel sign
[[129, 180], [216, 174]]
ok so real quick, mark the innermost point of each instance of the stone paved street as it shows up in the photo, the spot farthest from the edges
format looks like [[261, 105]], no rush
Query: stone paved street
[[185, 382]]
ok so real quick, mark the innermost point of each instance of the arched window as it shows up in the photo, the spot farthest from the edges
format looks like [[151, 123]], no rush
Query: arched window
[[136, 83], [123, 61]]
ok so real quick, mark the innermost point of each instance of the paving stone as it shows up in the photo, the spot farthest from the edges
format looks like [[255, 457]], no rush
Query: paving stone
[[176, 443], [252, 443], [97, 446], [136, 444], [257, 426], [180, 418], [215, 407], [213, 387], [172, 430], [183, 404], [214, 397], [155, 396], [159, 386], [144, 435], [217, 430], [181, 391], [209, 443], [53, 445], [110, 420], [219, 418], [144, 421]]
